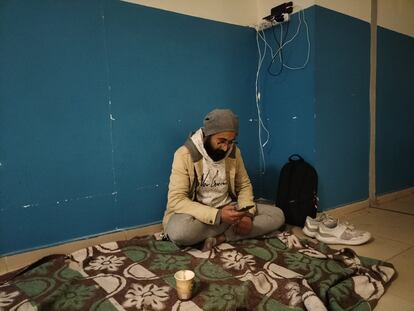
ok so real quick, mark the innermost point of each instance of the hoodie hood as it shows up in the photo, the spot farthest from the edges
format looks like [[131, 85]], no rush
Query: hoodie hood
[[198, 140], [196, 154]]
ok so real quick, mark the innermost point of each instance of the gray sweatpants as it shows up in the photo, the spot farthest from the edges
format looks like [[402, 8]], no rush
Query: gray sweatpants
[[184, 229]]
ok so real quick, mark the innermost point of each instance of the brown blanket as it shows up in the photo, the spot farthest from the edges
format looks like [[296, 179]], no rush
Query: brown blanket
[[274, 273]]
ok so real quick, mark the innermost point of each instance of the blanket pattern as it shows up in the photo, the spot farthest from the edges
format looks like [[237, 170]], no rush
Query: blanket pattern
[[281, 272]]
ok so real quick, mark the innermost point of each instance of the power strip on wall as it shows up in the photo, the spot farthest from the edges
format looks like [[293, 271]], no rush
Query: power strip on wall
[[266, 24]]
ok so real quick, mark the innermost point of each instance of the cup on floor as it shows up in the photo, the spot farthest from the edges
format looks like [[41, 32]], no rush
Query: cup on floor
[[184, 281]]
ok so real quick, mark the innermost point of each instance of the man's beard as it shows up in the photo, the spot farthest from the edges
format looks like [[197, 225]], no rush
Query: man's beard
[[214, 154]]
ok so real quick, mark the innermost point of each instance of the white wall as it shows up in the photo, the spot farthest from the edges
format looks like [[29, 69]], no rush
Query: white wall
[[239, 12], [397, 15], [264, 6], [360, 9]]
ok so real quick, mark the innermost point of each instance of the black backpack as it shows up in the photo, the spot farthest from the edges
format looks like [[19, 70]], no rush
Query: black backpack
[[297, 191]]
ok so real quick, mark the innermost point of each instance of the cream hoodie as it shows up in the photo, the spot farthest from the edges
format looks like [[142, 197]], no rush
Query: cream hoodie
[[214, 190]]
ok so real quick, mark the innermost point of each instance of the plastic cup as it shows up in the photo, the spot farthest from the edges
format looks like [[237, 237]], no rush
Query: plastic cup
[[184, 281]]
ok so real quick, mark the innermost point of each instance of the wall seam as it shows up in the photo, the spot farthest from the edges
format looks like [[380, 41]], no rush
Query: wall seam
[[372, 105]]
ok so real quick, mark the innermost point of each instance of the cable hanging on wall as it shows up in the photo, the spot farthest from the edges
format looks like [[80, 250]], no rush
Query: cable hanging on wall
[[261, 125], [278, 44], [276, 55], [283, 42], [307, 39]]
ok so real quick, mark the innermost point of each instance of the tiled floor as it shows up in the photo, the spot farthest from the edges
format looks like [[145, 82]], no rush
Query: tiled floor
[[392, 227]]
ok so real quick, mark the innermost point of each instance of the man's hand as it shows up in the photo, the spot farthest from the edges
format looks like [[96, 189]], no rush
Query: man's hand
[[244, 226], [230, 215]]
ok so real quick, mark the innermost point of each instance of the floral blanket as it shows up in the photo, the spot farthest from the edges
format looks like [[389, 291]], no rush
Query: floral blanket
[[273, 273]]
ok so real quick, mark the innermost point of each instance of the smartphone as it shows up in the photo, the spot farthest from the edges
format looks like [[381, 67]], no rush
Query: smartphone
[[245, 209]]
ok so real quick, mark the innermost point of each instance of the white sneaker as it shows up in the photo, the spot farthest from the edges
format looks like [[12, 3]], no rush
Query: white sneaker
[[312, 224], [342, 233]]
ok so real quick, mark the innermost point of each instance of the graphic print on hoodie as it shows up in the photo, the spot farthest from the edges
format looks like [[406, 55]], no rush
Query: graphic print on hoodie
[[213, 190]]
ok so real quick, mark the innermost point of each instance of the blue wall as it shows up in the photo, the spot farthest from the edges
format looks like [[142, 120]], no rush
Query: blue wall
[[322, 111], [342, 107], [67, 170], [55, 148], [94, 99], [163, 81], [395, 111], [288, 104]]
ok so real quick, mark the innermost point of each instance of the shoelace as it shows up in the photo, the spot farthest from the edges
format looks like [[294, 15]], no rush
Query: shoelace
[[329, 219], [348, 225], [325, 218]]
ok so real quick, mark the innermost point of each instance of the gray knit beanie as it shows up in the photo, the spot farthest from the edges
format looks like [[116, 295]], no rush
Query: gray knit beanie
[[220, 120]]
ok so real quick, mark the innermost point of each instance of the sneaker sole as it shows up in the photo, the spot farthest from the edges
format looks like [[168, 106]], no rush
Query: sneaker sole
[[309, 233], [335, 240]]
